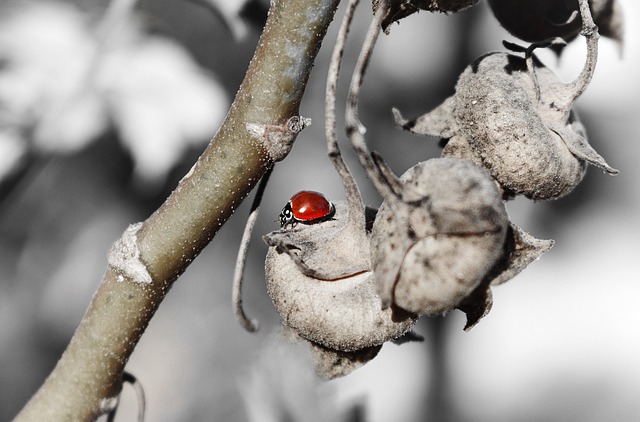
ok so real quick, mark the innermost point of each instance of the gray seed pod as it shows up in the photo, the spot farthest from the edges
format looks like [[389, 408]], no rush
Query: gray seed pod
[[434, 246], [508, 130], [343, 314], [514, 116]]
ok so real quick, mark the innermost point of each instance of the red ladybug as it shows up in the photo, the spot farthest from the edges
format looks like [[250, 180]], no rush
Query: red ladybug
[[307, 207]]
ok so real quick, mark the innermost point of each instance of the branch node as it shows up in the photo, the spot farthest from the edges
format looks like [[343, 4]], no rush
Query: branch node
[[297, 123], [124, 257], [277, 140]]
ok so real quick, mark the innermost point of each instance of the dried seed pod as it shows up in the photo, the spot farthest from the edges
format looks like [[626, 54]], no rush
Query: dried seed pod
[[434, 245], [538, 20], [514, 116], [343, 314]]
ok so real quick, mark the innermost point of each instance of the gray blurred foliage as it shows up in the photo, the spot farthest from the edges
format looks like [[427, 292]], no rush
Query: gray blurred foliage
[[560, 345]]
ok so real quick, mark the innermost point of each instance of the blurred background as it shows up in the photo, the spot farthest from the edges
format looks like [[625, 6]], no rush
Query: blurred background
[[101, 113]]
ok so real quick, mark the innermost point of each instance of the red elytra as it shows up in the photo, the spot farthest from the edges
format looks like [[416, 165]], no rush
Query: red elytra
[[307, 207]]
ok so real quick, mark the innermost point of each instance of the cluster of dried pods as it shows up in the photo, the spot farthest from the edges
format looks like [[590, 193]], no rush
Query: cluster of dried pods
[[347, 278]]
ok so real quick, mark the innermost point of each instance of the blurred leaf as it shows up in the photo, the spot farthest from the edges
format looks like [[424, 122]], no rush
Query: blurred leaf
[[63, 80], [161, 102], [48, 52], [11, 152]]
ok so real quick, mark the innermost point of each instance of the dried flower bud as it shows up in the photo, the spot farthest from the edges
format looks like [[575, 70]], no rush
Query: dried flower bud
[[343, 314], [432, 247], [514, 116]]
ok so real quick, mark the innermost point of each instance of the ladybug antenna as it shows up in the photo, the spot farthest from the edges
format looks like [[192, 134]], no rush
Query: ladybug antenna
[[250, 325]]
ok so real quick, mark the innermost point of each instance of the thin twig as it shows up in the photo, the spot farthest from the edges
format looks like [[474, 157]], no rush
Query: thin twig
[[128, 377], [355, 129], [137, 387], [590, 32], [354, 199], [250, 325]]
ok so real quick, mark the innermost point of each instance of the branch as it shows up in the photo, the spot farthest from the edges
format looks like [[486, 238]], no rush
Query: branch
[[258, 131]]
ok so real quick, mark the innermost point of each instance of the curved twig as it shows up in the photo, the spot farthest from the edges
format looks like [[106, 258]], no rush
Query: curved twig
[[354, 199], [250, 325], [355, 129]]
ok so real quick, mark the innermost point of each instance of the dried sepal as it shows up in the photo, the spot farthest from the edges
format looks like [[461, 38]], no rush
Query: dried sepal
[[399, 9], [520, 250], [514, 116], [537, 20], [330, 363], [476, 305], [434, 244]]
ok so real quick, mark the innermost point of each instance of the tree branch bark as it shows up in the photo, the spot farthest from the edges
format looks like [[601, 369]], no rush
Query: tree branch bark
[[258, 131]]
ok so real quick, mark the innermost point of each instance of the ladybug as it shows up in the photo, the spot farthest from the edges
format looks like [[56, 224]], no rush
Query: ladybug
[[307, 207]]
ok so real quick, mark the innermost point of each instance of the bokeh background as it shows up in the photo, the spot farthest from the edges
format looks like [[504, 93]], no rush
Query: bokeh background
[[102, 112]]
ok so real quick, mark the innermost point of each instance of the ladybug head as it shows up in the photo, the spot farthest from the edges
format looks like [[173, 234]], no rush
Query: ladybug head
[[286, 215]]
